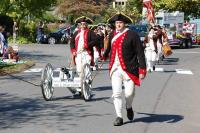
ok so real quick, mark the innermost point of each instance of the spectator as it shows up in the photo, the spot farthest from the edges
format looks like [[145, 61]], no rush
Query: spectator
[[40, 31], [11, 54], [2, 41]]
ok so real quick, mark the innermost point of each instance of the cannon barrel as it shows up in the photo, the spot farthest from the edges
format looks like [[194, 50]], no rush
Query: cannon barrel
[[65, 70]]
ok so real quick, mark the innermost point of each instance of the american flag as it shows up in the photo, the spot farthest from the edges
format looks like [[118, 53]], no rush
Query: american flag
[[150, 11]]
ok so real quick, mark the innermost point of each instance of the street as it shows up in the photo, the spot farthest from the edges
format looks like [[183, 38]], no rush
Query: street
[[167, 101]]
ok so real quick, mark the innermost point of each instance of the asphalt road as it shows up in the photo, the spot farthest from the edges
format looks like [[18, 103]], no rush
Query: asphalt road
[[167, 102]]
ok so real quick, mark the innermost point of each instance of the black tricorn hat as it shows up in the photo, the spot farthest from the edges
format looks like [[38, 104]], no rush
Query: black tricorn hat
[[84, 19], [93, 27], [120, 17]]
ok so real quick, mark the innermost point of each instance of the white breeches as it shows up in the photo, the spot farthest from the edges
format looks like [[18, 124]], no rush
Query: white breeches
[[82, 59], [118, 78], [96, 56], [151, 58]]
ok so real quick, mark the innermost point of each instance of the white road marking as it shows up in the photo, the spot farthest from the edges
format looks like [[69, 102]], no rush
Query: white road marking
[[182, 71], [189, 52], [178, 71], [34, 70], [158, 69]]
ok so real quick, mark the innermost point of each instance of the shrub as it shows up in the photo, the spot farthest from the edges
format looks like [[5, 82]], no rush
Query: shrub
[[28, 31], [19, 40]]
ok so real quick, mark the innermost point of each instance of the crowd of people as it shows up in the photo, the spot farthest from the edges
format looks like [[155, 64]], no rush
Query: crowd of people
[[130, 59], [153, 44], [6, 51]]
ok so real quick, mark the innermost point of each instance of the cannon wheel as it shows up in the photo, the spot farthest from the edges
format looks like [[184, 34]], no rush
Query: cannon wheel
[[46, 82], [85, 82]]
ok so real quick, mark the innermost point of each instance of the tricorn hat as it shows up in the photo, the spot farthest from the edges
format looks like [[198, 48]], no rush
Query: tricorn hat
[[120, 17], [93, 27], [84, 19]]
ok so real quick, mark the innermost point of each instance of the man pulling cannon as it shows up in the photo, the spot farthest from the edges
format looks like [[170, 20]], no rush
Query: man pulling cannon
[[82, 43]]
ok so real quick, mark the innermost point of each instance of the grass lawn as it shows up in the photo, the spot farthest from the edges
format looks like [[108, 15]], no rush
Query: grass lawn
[[14, 68]]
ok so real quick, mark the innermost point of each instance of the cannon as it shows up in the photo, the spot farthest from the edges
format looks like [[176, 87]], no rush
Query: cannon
[[68, 78]]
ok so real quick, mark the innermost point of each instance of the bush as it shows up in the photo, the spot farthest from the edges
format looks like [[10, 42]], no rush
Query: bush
[[27, 31], [19, 40]]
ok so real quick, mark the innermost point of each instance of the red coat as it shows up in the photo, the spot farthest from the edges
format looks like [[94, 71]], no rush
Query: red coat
[[89, 41], [130, 53]]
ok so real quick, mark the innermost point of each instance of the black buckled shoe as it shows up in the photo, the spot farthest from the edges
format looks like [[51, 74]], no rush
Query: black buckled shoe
[[154, 68], [118, 121], [130, 114]]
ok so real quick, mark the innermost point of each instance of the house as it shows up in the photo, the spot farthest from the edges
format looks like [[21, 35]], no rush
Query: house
[[119, 3]]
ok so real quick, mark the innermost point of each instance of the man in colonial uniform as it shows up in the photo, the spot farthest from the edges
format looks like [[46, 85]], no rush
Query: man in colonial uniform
[[97, 48], [159, 35], [82, 43], [127, 64]]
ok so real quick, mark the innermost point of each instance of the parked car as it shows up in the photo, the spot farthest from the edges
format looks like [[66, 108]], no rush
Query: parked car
[[140, 29], [179, 40], [41, 39], [60, 36]]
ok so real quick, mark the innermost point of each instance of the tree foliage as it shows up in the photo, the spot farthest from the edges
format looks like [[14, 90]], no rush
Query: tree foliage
[[189, 7], [133, 9], [81, 7], [22, 11], [19, 9]]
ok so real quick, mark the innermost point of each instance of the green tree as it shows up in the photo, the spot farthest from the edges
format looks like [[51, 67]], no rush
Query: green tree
[[19, 9], [75, 8], [189, 7], [133, 9], [24, 10]]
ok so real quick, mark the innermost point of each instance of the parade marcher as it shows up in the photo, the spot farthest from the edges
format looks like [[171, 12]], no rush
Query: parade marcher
[[127, 64], [82, 43], [159, 42], [150, 43], [97, 47], [166, 47], [109, 29], [101, 35]]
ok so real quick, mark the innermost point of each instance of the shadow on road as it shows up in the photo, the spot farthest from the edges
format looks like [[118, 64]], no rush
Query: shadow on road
[[23, 78], [16, 112], [78, 97], [37, 55], [103, 88], [151, 118], [169, 61]]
